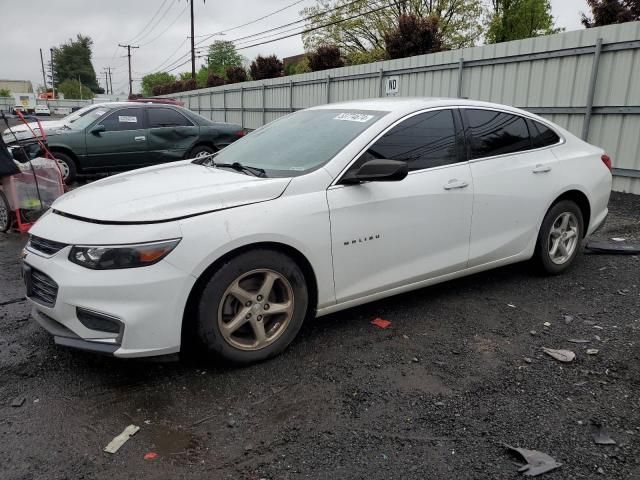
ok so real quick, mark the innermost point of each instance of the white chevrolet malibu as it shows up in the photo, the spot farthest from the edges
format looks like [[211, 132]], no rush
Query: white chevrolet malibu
[[318, 211]]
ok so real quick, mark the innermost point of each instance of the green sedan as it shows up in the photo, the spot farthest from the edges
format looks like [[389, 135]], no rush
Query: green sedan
[[124, 136]]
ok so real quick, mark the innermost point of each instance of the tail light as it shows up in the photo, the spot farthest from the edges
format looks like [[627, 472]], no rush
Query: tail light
[[606, 159], [240, 133]]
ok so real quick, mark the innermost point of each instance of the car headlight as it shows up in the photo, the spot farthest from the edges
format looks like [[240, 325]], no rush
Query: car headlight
[[109, 257]]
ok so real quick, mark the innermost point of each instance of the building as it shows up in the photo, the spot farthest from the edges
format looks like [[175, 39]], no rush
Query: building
[[17, 86]]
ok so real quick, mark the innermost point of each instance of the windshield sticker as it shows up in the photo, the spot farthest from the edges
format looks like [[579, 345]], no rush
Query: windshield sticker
[[125, 119], [99, 112], [353, 117]]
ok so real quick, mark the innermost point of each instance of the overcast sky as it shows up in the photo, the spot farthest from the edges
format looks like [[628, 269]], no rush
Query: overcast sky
[[33, 24]]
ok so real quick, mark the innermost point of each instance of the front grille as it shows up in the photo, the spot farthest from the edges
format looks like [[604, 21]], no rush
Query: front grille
[[48, 247], [43, 289]]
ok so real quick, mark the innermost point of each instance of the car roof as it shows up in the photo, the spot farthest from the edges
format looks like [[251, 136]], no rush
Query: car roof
[[404, 105]]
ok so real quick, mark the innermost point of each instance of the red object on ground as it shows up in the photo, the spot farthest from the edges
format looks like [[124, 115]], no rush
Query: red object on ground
[[381, 323], [150, 455]]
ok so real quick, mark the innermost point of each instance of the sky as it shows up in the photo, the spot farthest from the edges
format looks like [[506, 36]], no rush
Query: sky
[[160, 28]]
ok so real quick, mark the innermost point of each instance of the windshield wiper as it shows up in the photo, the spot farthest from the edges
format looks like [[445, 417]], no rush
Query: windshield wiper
[[255, 171]]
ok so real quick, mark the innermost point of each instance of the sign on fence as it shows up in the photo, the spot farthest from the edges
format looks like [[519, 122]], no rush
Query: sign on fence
[[392, 85]]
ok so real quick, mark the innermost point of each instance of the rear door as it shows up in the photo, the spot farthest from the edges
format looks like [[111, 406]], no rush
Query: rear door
[[171, 134], [123, 144], [514, 179], [390, 234]]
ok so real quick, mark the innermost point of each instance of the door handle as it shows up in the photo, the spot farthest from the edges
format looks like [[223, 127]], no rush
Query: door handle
[[141, 138], [541, 168], [455, 183]]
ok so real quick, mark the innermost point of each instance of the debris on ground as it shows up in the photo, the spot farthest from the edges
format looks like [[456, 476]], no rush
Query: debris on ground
[[565, 356], [600, 435], [533, 332], [18, 402], [568, 319], [527, 359], [150, 456], [511, 305], [537, 462], [592, 351], [381, 322], [578, 340], [618, 239], [547, 324], [117, 442], [612, 248], [415, 359]]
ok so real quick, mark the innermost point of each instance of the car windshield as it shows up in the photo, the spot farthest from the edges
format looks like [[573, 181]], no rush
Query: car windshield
[[72, 117], [88, 118], [300, 142]]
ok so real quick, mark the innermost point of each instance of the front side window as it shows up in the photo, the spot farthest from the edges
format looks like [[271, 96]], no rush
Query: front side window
[[496, 133], [125, 119], [423, 141], [166, 117]]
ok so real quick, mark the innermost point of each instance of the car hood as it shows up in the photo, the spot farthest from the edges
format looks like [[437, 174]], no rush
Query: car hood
[[166, 192], [22, 131]]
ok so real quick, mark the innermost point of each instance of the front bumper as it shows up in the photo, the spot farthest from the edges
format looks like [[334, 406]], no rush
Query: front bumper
[[147, 302]]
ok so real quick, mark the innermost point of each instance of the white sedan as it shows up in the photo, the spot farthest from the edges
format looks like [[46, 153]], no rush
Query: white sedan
[[318, 211], [42, 110]]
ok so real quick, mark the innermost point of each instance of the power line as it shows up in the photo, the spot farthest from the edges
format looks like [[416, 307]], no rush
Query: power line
[[167, 59], [149, 22], [160, 19], [165, 30]]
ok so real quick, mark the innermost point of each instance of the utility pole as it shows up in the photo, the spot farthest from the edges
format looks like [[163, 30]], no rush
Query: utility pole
[[106, 82], [44, 75], [53, 75], [129, 47], [110, 82], [193, 47]]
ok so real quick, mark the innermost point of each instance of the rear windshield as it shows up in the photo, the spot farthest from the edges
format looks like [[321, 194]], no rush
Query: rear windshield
[[300, 142]]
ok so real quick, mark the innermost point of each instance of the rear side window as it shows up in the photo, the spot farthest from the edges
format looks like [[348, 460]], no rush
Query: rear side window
[[423, 141], [541, 135], [166, 117], [496, 133], [125, 119]]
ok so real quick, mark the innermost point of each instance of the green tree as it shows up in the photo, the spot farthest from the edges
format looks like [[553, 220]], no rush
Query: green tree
[[155, 79], [518, 19], [5, 92], [222, 54], [361, 38], [71, 89], [72, 60]]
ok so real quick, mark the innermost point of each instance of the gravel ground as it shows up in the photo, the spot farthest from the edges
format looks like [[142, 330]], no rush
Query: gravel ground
[[459, 372]]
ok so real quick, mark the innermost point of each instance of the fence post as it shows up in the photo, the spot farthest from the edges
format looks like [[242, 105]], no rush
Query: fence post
[[290, 95], [592, 89], [460, 67], [199, 109], [381, 81], [328, 89], [242, 107], [264, 107], [224, 104]]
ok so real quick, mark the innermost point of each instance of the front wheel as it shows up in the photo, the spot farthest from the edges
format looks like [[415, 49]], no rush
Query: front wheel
[[560, 237], [67, 167], [252, 307]]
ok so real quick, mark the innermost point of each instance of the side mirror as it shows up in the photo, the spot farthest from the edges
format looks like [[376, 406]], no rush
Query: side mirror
[[98, 129], [379, 170]]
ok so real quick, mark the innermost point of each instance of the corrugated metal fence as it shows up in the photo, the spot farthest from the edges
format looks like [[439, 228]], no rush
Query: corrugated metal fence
[[587, 81]]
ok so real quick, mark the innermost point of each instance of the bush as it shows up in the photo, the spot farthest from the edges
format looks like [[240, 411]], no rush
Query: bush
[[236, 74], [324, 58], [413, 36], [190, 84], [266, 67], [214, 80]]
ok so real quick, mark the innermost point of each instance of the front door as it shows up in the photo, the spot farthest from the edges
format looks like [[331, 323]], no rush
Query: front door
[[390, 234], [122, 144]]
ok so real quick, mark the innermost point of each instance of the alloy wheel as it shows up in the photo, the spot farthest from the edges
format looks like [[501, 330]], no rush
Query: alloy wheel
[[563, 238], [64, 169], [256, 309], [203, 154]]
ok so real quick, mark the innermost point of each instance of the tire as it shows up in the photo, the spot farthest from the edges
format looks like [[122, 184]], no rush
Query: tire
[[246, 275], [5, 213], [67, 167], [201, 150], [560, 238]]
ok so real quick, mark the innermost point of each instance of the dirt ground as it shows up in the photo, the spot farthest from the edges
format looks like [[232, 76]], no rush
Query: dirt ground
[[459, 372]]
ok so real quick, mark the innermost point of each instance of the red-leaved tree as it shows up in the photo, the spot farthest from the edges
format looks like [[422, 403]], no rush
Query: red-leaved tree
[[266, 67], [607, 12], [413, 36], [236, 74], [324, 58]]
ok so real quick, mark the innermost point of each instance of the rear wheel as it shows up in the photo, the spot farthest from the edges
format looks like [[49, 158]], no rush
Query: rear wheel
[[560, 237], [5, 213], [252, 307], [201, 151], [67, 167]]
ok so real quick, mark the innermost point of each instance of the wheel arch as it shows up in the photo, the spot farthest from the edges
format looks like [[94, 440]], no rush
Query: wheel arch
[[66, 151], [200, 143], [580, 199], [189, 314]]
